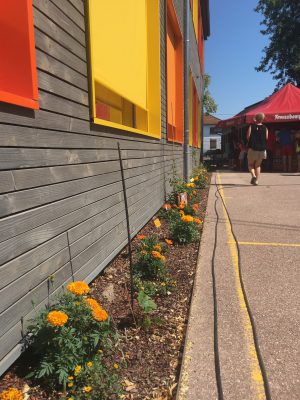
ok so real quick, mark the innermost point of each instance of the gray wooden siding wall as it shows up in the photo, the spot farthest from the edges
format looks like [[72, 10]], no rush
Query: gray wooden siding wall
[[61, 201]]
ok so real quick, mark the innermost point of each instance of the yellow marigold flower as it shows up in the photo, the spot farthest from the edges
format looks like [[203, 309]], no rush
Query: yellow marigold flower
[[156, 254], [116, 366], [163, 258], [169, 242], [77, 370], [57, 318], [187, 218], [197, 221], [157, 223], [141, 237], [70, 378], [87, 389], [190, 185], [70, 384], [163, 284], [192, 180], [78, 288], [181, 212], [157, 247], [100, 351], [89, 364], [11, 394]]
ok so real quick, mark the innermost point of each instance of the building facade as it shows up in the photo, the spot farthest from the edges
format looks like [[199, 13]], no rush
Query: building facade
[[211, 138], [85, 79]]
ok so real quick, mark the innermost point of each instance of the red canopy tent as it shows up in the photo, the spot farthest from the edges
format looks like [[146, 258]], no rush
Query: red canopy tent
[[281, 107]]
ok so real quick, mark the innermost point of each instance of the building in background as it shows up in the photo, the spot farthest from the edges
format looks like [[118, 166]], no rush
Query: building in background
[[211, 136], [84, 79]]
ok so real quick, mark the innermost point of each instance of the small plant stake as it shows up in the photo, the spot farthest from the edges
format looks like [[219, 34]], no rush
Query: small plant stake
[[128, 228]]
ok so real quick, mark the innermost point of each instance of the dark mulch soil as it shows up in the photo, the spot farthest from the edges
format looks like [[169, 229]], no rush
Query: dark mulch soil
[[149, 358]]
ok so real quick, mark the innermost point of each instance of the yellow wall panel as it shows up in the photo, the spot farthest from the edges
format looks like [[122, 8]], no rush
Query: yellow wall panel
[[119, 47], [196, 16], [154, 90]]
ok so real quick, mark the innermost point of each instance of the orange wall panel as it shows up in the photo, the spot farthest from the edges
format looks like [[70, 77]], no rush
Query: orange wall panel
[[18, 81]]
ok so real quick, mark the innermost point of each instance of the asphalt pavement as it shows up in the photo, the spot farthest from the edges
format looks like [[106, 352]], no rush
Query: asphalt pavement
[[243, 336]]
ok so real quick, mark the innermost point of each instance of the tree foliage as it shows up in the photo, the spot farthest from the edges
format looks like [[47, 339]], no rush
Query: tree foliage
[[209, 104], [281, 19]]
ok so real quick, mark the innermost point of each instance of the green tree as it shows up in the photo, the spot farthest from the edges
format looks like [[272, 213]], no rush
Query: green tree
[[209, 104], [281, 19]]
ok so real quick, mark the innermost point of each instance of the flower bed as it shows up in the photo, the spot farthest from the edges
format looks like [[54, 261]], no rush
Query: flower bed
[[145, 356]]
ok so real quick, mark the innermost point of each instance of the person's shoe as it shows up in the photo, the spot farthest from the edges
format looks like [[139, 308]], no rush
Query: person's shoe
[[253, 180], [256, 182]]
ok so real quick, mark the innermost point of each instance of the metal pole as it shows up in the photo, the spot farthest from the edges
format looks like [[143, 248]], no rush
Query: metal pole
[[186, 149], [128, 227]]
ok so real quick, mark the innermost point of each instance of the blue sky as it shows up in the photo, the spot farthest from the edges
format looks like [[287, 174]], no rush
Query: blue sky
[[232, 51]]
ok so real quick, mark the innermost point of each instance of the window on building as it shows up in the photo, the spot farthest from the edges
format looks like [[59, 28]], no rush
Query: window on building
[[174, 76], [212, 130], [213, 144], [125, 65], [18, 80]]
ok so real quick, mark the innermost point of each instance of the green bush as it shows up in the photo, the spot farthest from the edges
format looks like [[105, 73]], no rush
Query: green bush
[[184, 230], [68, 334]]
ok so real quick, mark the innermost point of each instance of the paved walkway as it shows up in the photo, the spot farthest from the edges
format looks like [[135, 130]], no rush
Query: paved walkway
[[225, 358]]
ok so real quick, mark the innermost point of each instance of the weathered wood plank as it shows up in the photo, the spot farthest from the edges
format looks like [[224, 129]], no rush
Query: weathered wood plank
[[11, 158], [55, 14], [87, 226], [25, 241], [71, 12], [58, 87], [30, 178], [49, 64], [6, 182], [54, 49], [24, 305], [54, 31], [79, 5], [63, 106], [18, 288], [11, 203], [10, 114], [21, 265]]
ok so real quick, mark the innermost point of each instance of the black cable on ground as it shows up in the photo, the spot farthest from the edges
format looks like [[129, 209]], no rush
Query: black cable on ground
[[254, 332], [214, 287]]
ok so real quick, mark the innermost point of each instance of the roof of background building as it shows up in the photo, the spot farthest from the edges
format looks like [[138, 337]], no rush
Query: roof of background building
[[210, 120]]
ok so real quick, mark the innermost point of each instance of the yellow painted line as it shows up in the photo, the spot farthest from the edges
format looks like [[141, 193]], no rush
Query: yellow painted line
[[269, 244], [257, 381]]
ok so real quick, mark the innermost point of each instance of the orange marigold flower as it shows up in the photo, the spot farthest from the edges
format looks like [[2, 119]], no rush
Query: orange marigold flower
[[143, 252], [182, 205], [98, 312], [141, 237], [157, 247], [156, 254], [196, 178], [78, 288], [57, 318], [195, 207], [11, 394], [197, 221], [169, 242], [166, 206], [181, 212], [187, 218]]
